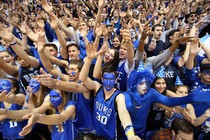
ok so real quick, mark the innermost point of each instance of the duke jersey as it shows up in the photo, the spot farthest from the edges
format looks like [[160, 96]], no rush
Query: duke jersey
[[105, 115], [67, 132], [11, 129], [122, 77], [84, 114], [25, 75]]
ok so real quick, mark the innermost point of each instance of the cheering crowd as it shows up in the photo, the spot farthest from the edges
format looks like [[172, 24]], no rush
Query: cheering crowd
[[105, 70]]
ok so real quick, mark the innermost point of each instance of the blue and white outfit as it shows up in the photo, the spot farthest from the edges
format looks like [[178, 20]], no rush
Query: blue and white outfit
[[105, 115], [11, 129], [68, 132]]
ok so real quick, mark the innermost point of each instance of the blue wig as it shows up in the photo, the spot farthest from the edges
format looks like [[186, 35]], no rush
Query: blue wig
[[137, 76]]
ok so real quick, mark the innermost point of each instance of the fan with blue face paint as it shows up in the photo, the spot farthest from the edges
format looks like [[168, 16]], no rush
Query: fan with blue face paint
[[109, 81], [34, 84], [5, 85], [55, 98]]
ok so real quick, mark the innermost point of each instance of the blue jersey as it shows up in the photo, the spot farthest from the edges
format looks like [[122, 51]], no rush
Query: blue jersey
[[25, 75], [68, 132], [11, 129], [122, 77], [105, 115], [82, 45], [84, 114]]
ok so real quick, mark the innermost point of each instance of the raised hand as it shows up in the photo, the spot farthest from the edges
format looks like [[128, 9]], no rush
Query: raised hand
[[104, 49], [46, 6], [126, 35], [146, 31], [195, 47], [4, 96], [22, 27], [101, 3], [91, 50], [53, 22], [7, 35], [99, 30]]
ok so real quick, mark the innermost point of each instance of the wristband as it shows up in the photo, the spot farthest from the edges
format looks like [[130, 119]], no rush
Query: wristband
[[12, 44], [129, 130]]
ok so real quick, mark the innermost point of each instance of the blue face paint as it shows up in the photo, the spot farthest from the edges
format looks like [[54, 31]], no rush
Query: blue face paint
[[34, 84], [55, 98], [206, 71], [5, 85], [109, 81], [73, 73]]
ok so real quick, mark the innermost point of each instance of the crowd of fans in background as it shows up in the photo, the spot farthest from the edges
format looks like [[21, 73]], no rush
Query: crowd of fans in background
[[104, 69]]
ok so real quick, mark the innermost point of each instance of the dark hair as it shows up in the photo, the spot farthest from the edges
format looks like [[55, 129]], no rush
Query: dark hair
[[109, 69], [205, 66], [72, 44], [77, 62], [171, 33], [188, 15], [181, 125], [153, 85], [51, 45], [14, 84], [115, 60], [156, 25], [7, 52]]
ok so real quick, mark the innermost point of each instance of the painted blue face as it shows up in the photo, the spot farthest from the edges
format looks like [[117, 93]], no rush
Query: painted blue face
[[34, 84], [5, 85], [109, 81], [55, 98]]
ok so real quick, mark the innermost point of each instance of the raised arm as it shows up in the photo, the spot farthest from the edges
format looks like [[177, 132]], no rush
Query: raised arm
[[194, 49], [47, 64], [128, 43], [8, 68], [102, 51], [8, 36], [61, 39], [145, 33], [98, 16], [91, 54]]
